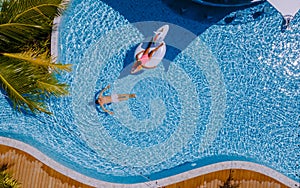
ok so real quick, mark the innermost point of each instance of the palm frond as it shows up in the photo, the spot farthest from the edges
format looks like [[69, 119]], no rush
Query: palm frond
[[6, 179], [19, 32], [18, 80], [51, 86], [37, 14], [23, 20], [28, 78], [13, 10], [40, 60]]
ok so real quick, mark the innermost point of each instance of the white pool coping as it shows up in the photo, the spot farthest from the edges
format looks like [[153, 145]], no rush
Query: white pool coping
[[156, 183], [54, 36], [54, 39]]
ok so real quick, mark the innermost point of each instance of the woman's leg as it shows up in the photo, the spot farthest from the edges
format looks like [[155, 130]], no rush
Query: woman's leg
[[152, 52]]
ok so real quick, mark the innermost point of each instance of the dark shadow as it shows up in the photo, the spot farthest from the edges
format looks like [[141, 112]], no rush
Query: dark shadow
[[171, 53], [187, 14], [227, 3], [129, 58], [95, 97], [192, 16], [97, 106], [127, 70], [230, 19], [258, 14], [206, 15], [286, 22]]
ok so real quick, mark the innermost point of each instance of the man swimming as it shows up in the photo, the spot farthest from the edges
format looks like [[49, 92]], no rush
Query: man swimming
[[102, 100]]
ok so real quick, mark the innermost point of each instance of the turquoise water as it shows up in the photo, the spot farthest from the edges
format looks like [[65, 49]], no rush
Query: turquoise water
[[230, 92]]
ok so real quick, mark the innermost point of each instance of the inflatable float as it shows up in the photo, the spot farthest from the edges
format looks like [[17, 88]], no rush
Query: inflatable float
[[157, 40]]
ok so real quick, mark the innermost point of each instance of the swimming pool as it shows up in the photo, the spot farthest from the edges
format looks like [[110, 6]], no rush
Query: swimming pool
[[230, 92]]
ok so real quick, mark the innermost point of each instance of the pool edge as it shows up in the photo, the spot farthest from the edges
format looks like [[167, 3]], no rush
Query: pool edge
[[161, 182]]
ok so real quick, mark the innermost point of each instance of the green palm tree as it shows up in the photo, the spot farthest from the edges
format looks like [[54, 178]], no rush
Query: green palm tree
[[27, 74], [6, 180], [229, 182], [22, 21]]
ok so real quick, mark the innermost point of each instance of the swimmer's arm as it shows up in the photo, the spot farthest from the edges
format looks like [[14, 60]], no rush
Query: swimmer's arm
[[107, 87], [105, 110], [152, 52], [137, 55], [161, 44]]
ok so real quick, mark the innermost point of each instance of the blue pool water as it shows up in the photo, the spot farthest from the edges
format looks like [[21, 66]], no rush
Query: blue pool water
[[226, 92]]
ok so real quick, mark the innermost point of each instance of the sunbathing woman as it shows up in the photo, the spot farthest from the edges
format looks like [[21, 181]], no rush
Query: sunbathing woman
[[102, 100], [146, 56]]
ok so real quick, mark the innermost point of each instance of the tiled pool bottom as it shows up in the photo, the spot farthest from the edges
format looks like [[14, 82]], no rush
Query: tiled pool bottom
[[262, 114]]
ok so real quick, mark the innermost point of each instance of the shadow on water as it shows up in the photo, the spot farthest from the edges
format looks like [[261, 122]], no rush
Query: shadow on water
[[184, 13], [189, 15]]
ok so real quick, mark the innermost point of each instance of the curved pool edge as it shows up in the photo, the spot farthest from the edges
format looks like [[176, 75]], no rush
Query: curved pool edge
[[54, 33], [161, 182], [54, 38]]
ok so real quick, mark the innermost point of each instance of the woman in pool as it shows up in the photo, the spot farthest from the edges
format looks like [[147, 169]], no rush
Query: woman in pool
[[146, 56], [102, 100]]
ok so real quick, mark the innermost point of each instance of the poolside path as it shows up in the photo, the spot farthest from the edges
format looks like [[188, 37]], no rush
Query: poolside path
[[31, 173]]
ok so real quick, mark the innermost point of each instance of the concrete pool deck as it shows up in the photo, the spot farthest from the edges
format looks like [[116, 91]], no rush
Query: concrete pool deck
[[155, 183]]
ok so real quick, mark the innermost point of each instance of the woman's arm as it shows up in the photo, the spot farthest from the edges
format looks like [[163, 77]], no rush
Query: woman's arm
[[137, 55], [152, 52]]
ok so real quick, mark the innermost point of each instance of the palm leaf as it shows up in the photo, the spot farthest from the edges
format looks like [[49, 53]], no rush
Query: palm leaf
[[37, 14], [40, 60], [26, 77], [31, 10], [24, 20], [49, 85], [17, 33], [6, 179], [19, 79]]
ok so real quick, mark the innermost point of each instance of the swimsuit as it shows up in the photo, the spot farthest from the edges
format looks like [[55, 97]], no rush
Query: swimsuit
[[114, 98], [144, 59]]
